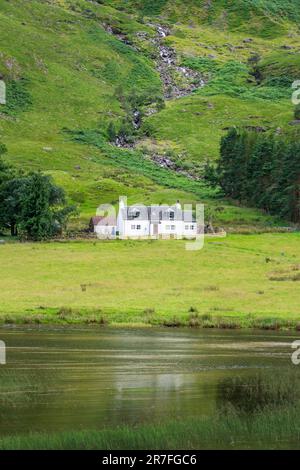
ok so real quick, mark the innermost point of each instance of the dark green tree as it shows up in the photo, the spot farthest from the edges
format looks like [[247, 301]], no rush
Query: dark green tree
[[210, 174], [262, 170], [11, 194], [44, 212]]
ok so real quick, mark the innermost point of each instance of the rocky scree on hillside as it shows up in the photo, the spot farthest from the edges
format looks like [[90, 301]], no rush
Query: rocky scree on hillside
[[178, 81], [187, 80]]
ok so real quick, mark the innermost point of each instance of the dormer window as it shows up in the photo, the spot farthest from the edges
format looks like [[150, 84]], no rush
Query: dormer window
[[172, 215], [134, 213]]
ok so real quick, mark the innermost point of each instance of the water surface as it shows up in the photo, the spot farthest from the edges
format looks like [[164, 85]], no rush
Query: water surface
[[60, 379]]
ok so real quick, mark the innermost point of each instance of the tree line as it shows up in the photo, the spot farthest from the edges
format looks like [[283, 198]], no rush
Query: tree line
[[262, 170], [31, 205]]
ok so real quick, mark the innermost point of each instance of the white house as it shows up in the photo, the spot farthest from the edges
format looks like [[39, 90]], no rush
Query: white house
[[139, 221]]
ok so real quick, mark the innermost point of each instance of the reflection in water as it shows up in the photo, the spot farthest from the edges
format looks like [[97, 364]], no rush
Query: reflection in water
[[60, 379]]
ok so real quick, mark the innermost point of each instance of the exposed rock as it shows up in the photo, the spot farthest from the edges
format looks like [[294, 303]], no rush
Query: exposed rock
[[165, 162], [295, 123], [256, 128], [142, 35], [166, 63], [150, 111], [47, 149], [168, 67], [124, 142], [247, 40], [113, 30], [163, 31], [137, 119]]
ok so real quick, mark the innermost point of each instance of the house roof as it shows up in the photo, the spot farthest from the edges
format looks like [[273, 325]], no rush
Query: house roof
[[102, 220], [157, 213]]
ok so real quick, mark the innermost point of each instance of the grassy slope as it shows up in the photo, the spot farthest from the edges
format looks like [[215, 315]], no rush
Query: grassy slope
[[60, 52], [73, 68], [194, 125], [239, 279], [189, 126]]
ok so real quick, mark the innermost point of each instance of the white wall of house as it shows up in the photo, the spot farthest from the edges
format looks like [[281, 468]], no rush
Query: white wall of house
[[189, 229], [170, 228], [136, 228], [105, 231], [141, 229], [177, 228]]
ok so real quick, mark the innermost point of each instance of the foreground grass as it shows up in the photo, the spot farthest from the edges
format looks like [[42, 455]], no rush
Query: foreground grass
[[266, 430], [240, 281]]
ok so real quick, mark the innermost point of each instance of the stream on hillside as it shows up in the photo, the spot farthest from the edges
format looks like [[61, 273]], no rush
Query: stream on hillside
[[178, 81]]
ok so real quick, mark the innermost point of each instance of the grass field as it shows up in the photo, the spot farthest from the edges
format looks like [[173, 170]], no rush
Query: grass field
[[242, 280]]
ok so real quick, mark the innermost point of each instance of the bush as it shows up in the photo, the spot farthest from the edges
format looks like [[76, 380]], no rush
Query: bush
[[297, 112], [18, 97]]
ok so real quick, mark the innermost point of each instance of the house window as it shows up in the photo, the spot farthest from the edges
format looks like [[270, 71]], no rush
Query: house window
[[138, 227], [186, 227], [167, 227], [192, 227], [134, 213], [173, 227], [132, 227], [172, 215]]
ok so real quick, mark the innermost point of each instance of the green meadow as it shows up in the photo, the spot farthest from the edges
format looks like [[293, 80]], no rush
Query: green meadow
[[237, 281]]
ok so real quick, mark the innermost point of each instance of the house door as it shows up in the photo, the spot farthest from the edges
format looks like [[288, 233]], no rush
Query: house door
[[155, 229]]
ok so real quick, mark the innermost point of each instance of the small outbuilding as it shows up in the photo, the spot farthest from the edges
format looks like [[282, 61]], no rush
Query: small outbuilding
[[104, 227]]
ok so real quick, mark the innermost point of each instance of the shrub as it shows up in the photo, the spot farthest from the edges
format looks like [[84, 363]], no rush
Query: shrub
[[18, 97], [193, 310], [297, 112], [173, 323], [149, 311]]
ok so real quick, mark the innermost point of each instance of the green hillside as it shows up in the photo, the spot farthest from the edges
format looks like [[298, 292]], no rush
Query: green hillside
[[76, 70]]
